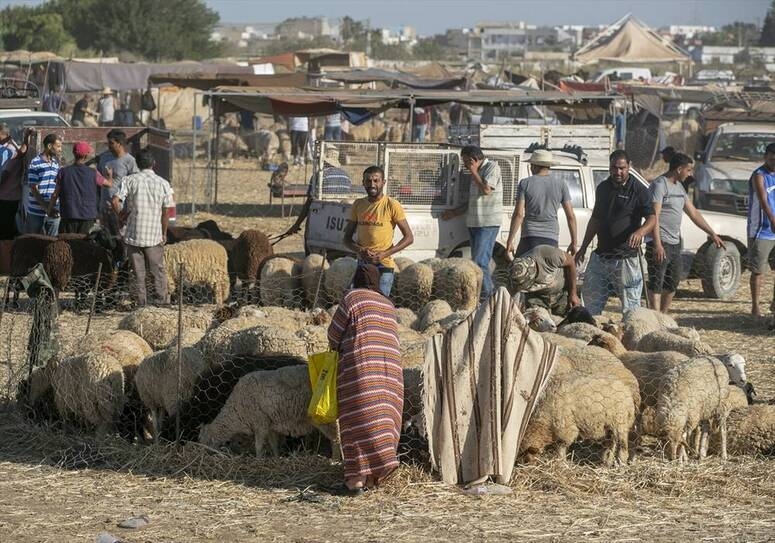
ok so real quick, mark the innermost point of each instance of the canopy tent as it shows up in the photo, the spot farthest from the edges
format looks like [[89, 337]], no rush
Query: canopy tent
[[395, 79], [211, 80], [93, 77], [631, 41]]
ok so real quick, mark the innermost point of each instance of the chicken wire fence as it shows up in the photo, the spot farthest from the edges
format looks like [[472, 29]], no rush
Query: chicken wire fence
[[66, 363]]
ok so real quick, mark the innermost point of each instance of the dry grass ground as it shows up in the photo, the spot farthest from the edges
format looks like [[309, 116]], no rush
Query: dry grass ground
[[56, 487]]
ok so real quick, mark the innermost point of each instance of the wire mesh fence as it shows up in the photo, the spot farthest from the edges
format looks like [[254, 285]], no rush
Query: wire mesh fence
[[223, 360]]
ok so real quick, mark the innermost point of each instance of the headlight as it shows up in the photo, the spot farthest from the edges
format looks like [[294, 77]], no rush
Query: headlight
[[721, 185]]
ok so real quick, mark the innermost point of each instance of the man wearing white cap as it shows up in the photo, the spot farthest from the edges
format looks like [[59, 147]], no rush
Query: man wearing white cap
[[535, 214], [106, 107]]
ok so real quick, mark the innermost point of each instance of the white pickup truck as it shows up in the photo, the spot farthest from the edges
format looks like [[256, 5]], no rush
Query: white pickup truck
[[427, 179]]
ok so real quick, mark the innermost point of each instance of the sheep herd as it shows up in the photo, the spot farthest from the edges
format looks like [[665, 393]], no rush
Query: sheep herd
[[239, 368]]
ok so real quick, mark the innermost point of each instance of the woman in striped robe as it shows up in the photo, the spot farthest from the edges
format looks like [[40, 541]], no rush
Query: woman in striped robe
[[369, 386]]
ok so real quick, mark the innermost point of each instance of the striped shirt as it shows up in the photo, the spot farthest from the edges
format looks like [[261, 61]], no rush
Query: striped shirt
[[759, 226], [145, 195], [42, 174]]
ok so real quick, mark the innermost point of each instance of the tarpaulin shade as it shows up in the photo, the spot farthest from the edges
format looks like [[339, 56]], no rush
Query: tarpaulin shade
[[92, 77], [207, 81], [394, 79]]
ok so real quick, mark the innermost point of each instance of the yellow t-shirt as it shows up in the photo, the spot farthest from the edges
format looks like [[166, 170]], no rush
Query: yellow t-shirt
[[376, 221]]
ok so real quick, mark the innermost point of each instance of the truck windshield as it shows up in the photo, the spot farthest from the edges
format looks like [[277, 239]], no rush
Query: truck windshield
[[17, 125], [748, 147]]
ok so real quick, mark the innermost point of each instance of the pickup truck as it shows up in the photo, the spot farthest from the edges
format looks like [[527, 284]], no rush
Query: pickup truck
[[733, 152], [427, 179]]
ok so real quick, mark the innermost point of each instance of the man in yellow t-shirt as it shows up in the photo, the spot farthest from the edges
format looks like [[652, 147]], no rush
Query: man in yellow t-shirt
[[372, 221]]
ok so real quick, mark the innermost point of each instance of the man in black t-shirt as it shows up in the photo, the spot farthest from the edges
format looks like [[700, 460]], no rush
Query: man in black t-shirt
[[622, 216]]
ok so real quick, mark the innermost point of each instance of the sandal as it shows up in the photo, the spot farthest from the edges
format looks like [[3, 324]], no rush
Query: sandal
[[343, 490]]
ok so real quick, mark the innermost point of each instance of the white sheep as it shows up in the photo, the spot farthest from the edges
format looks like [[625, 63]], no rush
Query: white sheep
[[577, 405], [313, 268], [163, 384], [751, 430], [412, 345], [665, 340], [267, 404], [459, 282], [695, 395], [540, 320], [593, 335], [735, 364], [267, 339], [205, 263], [433, 312], [413, 286], [402, 263], [562, 341], [339, 277], [406, 317], [640, 321], [159, 325], [280, 282]]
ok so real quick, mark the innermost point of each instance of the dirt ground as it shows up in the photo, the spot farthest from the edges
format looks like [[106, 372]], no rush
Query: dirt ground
[[56, 487]]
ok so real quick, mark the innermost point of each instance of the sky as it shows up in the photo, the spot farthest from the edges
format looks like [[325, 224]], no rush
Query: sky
[[434, 16]]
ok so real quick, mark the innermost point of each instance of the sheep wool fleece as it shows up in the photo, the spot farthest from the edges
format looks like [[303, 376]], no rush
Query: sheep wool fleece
[[370, 386]]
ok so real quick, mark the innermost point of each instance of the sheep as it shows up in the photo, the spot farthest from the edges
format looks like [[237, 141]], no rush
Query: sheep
[[593, 336], [313, 268], [315, 338], [406, 317], [640, 321], [459, 282], [27, 251], [339, 277], [213, 388], [412, 345], [213, 231], [577, 405], [176, 234], [250, 250], [162, 383], [58, 264], [204, 262], [735, 364], [578, 313], [540, 320], [694, 395], [266, 339], [664, 340], [158, 325], [279, 282], [562, 341], [413, 286], [433, 312], [267, 404], [751, 430], [402, 263]]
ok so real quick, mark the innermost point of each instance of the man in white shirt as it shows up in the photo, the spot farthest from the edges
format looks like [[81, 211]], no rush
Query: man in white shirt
[[298, 128]]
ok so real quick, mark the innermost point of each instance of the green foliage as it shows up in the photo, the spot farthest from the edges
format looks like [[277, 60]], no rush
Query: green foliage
[[32, 28], [767, 38], [430, 49], [737, 34]]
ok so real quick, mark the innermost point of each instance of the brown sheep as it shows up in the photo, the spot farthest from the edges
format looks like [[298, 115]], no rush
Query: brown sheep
[[250, 250]]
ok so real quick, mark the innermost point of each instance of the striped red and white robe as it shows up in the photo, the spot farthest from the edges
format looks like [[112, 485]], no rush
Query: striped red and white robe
[[370, 387]]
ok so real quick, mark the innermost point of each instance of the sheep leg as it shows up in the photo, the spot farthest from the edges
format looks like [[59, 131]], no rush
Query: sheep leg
[[723, 431], [331, 431], [260, 438], [702, 451], [623, 452], [562, 451], [156, 423], [274, 442]]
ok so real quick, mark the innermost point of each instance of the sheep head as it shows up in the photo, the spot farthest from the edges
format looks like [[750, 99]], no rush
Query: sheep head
[[735, 364]]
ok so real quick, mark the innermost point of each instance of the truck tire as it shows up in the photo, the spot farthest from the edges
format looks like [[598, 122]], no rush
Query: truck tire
[[720, 270]]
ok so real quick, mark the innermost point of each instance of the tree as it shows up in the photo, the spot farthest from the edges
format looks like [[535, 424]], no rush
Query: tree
[[429, 49], [351, 29], [737, 34], [767, 38], [32, 28], [166, 30]]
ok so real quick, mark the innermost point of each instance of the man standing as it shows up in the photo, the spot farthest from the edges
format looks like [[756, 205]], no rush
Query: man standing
[[298, 129], [41, 183], [484, 210], [663, 247], [761, 225], [80, 109], [538, 199], [11, 177], [421, 121], [622, 216], [372, 221], [107, 107], [333, 127], [547, 276], [116, 163], [145, 197], [76, 187]]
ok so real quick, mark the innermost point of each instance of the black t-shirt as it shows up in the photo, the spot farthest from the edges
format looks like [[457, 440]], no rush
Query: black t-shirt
[[620, 210]]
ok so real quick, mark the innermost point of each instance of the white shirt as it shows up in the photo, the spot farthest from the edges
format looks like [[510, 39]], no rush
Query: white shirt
[[299, 124]]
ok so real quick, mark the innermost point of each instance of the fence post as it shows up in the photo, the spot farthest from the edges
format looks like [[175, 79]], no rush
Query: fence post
[[94, 299], [320, 280], [5, 297], [180, 350]]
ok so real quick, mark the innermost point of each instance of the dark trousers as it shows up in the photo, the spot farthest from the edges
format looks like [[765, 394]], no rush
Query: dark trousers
[[529, 243], [298, 143], [8, 210], [152, 259], [76, 226]]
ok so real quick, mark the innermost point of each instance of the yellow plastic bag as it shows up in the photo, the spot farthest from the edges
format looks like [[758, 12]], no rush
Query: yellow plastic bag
[[323, 407]]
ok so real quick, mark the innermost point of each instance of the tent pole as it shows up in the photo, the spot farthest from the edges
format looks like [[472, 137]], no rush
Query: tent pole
[[191, 180], [411, 119], [217, 152], [209, 175]]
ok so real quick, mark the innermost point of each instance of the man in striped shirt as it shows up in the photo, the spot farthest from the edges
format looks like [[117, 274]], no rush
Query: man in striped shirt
[[41, 183]]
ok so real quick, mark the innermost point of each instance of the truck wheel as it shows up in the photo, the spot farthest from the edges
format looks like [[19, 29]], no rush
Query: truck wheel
[[720, 271]]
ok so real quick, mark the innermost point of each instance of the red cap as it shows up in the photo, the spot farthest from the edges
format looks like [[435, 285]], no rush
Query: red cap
[[81, 148]]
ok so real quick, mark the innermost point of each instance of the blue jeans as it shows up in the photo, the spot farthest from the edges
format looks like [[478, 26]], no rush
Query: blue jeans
[[482, 243], [332, 133], [41, 224], [419, 132], [386, 278], [606, 276]]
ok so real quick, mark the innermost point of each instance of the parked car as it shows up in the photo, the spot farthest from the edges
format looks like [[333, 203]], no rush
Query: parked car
[[733, 152], [18, 120], [428, 180]]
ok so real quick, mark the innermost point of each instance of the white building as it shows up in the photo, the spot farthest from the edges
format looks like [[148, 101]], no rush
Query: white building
[[718, 54], [689, 31]]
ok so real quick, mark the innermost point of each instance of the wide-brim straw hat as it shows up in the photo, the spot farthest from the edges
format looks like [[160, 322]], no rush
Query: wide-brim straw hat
[[107, 90], [542, 157], [331, 156]]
